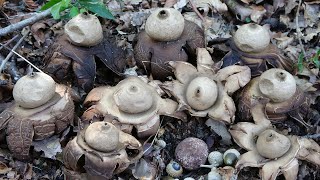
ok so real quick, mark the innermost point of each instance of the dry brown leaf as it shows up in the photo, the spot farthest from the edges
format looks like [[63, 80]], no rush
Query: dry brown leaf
[[31, 5], [214, 5], [37, 30], [312, 14], [4, 169], [170, 3], [1, 3], [246, 1], [290, 5], [50, 147]]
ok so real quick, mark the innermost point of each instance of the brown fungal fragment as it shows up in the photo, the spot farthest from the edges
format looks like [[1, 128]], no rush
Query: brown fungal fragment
[[46, 119], [105, 149], [191, 153], [154, 49]]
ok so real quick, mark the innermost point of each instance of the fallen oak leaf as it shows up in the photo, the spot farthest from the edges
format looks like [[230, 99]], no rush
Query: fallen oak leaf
[[50, 146]]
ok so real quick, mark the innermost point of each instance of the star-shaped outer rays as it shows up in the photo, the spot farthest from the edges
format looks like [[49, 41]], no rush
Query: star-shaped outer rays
[[227, 80], [245, 135], [116, 105]]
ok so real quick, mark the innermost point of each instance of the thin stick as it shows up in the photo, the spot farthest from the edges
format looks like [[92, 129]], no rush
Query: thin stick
[[155, 136], [11, 53], [8, 42], [299, 31], [312, 136], [26, 22], [35, 67], [194, 8]]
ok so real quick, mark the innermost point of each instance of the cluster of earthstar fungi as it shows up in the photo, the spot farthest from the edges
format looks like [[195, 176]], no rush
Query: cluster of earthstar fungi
[[106, 145]]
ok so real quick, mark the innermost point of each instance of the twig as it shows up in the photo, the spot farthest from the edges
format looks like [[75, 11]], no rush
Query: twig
[[298, 29], [312, 136], [8, 42], [204, 22], [26, 22], [13, 70], [35, 67], [11, 52], [154, 139], [194, 8]]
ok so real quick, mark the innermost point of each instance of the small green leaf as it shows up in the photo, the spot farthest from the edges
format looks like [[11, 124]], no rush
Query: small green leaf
[[96, 7], [315, 59], [73, 12], [65, 3], [82, 10], [49, 4], [300, 62], [55, 11], [317, 63]]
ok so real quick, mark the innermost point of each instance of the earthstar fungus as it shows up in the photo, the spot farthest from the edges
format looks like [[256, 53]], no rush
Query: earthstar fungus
[[42, 109], [279, 86], [202, 91], [251, 46], [105, 149], [167, 37], [270, 150], [131, 103]]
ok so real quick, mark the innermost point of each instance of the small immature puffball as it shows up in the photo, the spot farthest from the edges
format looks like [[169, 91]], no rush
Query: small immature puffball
[[271, 144], [251, 38], [84, 30], [34, 90], [202, 93], [102, 136], [215, 158], [165, 24], [133, 98], [230, 157], [174, 169], [214, 174], [191, 153], [277, 84]]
